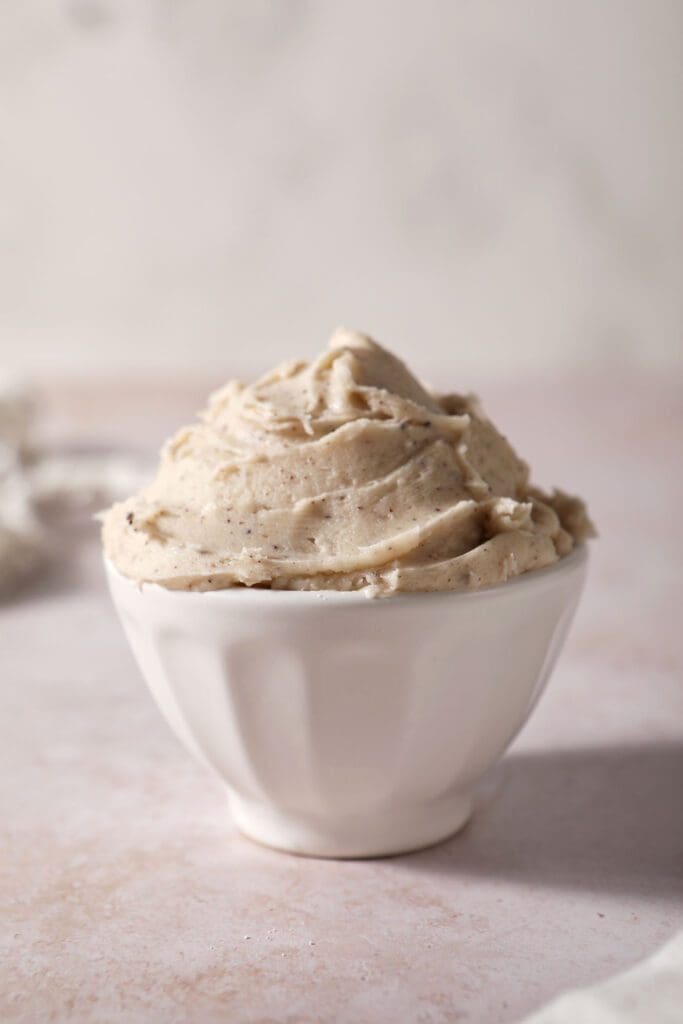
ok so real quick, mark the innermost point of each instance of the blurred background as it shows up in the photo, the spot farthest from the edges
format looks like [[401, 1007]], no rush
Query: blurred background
[[201, 187]]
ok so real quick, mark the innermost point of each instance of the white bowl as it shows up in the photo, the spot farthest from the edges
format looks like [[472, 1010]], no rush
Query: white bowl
[[345, 726]]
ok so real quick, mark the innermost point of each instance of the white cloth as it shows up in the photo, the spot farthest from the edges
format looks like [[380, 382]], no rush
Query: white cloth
[[649, 993], [21, 538], [30, 481], [20, 533]]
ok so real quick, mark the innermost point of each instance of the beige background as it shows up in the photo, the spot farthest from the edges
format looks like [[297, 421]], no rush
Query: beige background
[[485, 186]]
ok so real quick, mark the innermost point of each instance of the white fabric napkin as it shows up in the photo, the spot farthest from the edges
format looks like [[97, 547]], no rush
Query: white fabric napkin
[[20, 533], [31, 480], [649, 993]]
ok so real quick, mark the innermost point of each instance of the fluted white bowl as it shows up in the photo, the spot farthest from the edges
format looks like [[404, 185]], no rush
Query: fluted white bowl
[[345, 726]]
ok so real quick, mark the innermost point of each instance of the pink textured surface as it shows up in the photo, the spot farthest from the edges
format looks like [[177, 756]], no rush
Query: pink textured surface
[[127, 895]]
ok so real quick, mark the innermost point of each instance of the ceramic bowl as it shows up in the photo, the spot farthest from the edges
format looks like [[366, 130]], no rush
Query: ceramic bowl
[[345, 726]]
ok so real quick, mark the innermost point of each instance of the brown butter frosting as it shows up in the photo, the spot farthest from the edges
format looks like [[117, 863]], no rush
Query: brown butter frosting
[[341, 474]]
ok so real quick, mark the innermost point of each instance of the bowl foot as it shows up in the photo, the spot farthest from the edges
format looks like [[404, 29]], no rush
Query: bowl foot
[[380, 834]]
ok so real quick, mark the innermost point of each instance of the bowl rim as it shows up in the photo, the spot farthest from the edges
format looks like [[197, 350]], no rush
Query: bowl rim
[[569, 564]]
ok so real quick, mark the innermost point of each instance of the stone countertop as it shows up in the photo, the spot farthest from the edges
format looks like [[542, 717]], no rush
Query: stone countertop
[[126, 894]]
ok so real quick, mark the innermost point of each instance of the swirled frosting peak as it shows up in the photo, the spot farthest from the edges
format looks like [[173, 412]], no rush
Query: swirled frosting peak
[[344, 474]]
